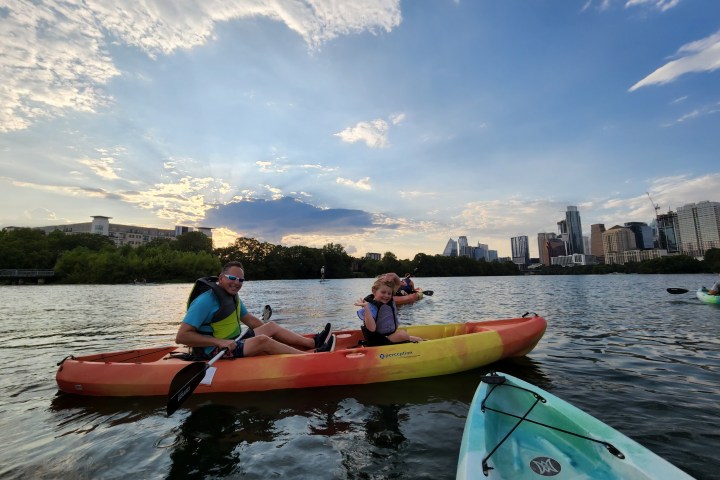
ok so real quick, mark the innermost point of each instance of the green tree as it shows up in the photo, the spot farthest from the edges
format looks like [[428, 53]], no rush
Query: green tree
[[195, 242], [336, 261], [25, 248], [712, 260]]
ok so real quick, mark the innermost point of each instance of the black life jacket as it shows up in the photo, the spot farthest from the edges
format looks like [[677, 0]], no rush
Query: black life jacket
[[228, 303]]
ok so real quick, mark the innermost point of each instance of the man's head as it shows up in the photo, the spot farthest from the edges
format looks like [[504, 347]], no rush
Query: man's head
[[232, 277], [391, 277]]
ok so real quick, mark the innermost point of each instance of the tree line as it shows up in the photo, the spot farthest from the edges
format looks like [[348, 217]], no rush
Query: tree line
[[91, 258]]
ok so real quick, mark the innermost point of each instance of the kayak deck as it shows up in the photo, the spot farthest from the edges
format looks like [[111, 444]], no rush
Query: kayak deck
[[515, 430], [703, 295]]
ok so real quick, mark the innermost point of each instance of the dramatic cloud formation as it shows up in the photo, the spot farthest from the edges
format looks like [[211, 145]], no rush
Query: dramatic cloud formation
[[270, 220], [57, 54], [699, 56]]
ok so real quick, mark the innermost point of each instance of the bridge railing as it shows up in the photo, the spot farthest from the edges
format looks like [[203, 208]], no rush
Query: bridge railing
[[25, 273]]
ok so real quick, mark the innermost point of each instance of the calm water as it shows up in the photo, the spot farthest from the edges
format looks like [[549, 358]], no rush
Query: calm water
[[617, 346]]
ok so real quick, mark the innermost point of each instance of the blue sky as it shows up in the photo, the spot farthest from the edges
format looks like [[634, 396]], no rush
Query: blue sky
[[376, 124]]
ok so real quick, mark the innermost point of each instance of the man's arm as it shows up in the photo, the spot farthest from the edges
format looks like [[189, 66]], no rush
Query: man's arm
[[188, 335], [251, 321]]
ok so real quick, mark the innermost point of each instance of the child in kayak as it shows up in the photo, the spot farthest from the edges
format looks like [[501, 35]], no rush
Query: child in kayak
[[379, 316]]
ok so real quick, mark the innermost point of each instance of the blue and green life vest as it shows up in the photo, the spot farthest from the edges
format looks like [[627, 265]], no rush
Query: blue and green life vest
[[226, 321]]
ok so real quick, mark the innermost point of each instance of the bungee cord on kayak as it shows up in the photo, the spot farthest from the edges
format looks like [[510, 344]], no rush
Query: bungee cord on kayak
[[497, 381]]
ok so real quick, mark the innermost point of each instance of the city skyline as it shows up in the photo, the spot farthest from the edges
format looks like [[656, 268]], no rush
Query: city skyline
[[379, 125]]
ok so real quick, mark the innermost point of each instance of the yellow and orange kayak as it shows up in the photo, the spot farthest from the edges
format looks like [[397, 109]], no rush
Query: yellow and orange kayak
[[449, 348]]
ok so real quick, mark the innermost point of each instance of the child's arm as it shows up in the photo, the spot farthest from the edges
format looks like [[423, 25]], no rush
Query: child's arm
[[368, 318]]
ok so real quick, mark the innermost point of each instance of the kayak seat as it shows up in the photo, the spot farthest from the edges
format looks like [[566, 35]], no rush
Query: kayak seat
[[374, 339]]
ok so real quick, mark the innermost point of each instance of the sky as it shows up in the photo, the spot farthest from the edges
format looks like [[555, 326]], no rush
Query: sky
[[379, 125]]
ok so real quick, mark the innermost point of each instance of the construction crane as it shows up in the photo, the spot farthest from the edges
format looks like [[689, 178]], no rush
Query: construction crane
[[655, 205]]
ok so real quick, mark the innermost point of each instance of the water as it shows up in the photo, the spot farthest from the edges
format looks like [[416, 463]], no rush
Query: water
[[617, 346]]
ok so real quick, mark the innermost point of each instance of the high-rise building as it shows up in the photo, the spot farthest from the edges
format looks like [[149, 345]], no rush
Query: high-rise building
[[699, 227], [520, 251], [451, 249], [643, 235], [618, 239], [596, 240], [667, 227], [542, 247], [464, 249], [480, 252], [555, 247], [574, 230]]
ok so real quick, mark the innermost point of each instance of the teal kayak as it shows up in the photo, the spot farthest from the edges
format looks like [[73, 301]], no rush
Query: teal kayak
[[703, 295], [515, 430]]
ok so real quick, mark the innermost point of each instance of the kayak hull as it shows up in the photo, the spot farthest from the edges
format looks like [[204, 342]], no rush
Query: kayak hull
[[535, 451], [449, 348], [407, 299], [703, 295]]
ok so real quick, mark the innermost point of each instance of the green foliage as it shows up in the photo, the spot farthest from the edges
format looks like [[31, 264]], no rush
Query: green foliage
[[712, 260], [90, 258], [195, 242], [337, 262]]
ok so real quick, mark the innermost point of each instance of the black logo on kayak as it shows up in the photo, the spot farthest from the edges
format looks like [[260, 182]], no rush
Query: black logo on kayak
[[545, 466]]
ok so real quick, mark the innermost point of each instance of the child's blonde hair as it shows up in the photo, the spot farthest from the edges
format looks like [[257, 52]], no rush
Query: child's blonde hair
[[380, 282]]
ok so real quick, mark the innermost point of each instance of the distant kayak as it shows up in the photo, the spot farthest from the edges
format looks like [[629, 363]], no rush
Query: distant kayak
[[515, 430], [703, 295], [412, 297]]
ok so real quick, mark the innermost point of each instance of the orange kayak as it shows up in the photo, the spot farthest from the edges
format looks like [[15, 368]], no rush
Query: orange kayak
[[407, 299], [449, 348]]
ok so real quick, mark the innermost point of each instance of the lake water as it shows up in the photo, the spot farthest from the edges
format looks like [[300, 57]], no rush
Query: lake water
[[617, 346]]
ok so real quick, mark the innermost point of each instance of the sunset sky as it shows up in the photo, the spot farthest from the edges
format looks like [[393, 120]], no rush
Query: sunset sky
[[379, 125]]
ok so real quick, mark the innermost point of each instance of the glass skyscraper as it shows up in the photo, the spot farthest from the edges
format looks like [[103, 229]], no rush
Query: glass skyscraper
[[574, 230]]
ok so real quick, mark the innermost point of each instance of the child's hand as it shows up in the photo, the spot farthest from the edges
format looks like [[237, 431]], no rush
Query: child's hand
[[361, 303]]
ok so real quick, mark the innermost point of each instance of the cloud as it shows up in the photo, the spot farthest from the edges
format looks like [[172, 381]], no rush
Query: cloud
[[362, 184], [698, 112], [102, 167], [271, 220], [699, 56], [373, 133], [184, 201], [56, 54], [662, 5]]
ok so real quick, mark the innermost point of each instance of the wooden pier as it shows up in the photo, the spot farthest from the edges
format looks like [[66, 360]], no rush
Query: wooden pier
[[24, 276]]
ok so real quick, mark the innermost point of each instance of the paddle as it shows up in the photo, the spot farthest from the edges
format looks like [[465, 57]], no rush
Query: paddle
[[186, 380], [429, 293], [676, 291]]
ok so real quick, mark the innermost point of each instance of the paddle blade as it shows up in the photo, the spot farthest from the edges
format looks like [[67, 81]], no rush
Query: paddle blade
[[676, 291], [267, 313], [184, 384], [429, 293]]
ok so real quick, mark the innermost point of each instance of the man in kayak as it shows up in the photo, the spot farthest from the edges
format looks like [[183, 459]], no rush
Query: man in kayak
[[407, 286], [215, 311], [715, 289]]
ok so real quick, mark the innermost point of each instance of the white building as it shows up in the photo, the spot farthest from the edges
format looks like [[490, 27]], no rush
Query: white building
[[121, 235]]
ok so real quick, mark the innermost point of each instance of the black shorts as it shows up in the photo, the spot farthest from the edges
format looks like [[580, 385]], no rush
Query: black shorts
[[238, 352]]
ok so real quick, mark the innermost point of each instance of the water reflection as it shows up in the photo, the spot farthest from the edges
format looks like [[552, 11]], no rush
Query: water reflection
[[212, 438], [618, 346]]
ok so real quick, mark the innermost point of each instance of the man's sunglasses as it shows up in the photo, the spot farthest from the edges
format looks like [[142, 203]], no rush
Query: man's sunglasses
[[233, 278]]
